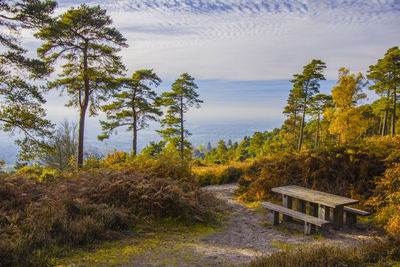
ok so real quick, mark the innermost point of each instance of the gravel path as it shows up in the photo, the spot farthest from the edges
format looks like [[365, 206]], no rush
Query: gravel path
[[242, 237]]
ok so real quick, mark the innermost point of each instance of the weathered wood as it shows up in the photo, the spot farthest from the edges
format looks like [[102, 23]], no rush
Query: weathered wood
[[350, 215], [313, 211], [299, 215], [337, 217], [274, 217], [350, 219], [324, 212], [308, 228], [301, 205], [314, 196], [287, 202], [356, 211]]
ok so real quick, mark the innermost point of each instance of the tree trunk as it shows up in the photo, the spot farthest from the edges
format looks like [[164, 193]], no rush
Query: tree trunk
[[394, 113], [134, 141], [302, 127], [302, 120], [134, 117], [81, 136], [83, 106], [182, 130], [385, 119], [317, 134]]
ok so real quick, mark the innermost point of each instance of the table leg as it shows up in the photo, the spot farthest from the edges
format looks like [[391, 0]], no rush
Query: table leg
[[313, 209], [323, 212], [273, 218], [301, 205], [338, 217], [287, 202]]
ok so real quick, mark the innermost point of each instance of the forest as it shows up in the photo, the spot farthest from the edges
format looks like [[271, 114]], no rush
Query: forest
[[59, 202]]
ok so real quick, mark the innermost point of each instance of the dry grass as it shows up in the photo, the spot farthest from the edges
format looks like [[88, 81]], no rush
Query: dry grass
[[37, 218]]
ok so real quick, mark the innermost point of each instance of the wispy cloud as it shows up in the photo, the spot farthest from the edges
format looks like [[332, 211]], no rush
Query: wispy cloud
[[246, 40]]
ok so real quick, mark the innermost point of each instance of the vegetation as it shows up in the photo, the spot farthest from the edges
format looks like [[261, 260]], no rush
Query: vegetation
[[333, 143], [83, 38], [38, 220], [378, 253], [182, 97], [132, 107]]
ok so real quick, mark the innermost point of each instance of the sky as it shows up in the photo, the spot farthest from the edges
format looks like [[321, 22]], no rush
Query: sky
[[242, 53]]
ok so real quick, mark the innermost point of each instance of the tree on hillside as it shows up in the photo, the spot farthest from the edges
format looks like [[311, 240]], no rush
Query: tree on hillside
[[292, 111], [347, 121], [308, 84], [386, 77], [318, 104], [20, 101], [182, 97], [83, 39], [134, 106]]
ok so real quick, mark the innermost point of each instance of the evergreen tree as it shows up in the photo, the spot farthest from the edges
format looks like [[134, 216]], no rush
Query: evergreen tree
[[182, 97], [229, 143], [308, 84], [133, 107], [292, 111], [20, 101], [386, 77], [83, 39]]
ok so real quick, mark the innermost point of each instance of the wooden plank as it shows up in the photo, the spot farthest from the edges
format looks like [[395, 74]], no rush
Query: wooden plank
[[314, 196], [356, 211], [293, 213], [287, 202], [324, 212], [338, 217]]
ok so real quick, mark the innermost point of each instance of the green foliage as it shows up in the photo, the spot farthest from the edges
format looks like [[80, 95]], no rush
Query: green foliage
[[385, 75], [132, 107], [182, 97], [83, 39], [20, 106], [306, 85]]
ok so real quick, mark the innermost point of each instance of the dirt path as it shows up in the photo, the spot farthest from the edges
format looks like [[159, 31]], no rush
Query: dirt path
[[242, 237]]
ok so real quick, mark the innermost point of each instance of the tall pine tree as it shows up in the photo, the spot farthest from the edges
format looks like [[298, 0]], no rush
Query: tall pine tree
[[308, 85], [133, 107], [83, 39], [182, 97]]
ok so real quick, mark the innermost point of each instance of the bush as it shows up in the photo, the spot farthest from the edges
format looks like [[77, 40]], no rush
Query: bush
[[379, 252], [80, 208], [210, 175]]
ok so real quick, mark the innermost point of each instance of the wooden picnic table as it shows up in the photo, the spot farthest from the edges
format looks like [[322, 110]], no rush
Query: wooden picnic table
[[320, 202]]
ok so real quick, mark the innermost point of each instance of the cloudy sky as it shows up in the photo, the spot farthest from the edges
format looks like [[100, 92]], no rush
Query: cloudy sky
[[242, 53]]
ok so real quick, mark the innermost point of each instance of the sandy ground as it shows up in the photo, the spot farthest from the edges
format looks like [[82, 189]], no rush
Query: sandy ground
[[242, 237]]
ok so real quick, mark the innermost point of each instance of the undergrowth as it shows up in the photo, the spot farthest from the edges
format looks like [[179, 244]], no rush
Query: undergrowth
[[38, 218], [376, 253]]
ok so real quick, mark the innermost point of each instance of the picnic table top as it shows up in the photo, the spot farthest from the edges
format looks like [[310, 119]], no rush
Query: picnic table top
[[314, 196]]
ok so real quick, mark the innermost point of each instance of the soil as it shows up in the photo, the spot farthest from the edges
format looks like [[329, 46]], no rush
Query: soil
[[243, 236]]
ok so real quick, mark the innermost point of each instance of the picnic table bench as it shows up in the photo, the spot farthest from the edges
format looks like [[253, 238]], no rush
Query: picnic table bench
[[320, 203], [308, 220]]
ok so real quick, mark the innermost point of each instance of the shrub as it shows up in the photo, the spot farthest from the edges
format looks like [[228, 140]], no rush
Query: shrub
[[80, 208], [379, 252]]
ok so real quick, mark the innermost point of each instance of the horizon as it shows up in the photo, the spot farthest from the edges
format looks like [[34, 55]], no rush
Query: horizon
[[241, 53]]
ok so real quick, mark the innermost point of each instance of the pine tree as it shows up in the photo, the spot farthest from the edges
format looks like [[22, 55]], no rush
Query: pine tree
[[83, 39], [308, 85], [133, 107], [386, 77], [209, 147], [182, 97]]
